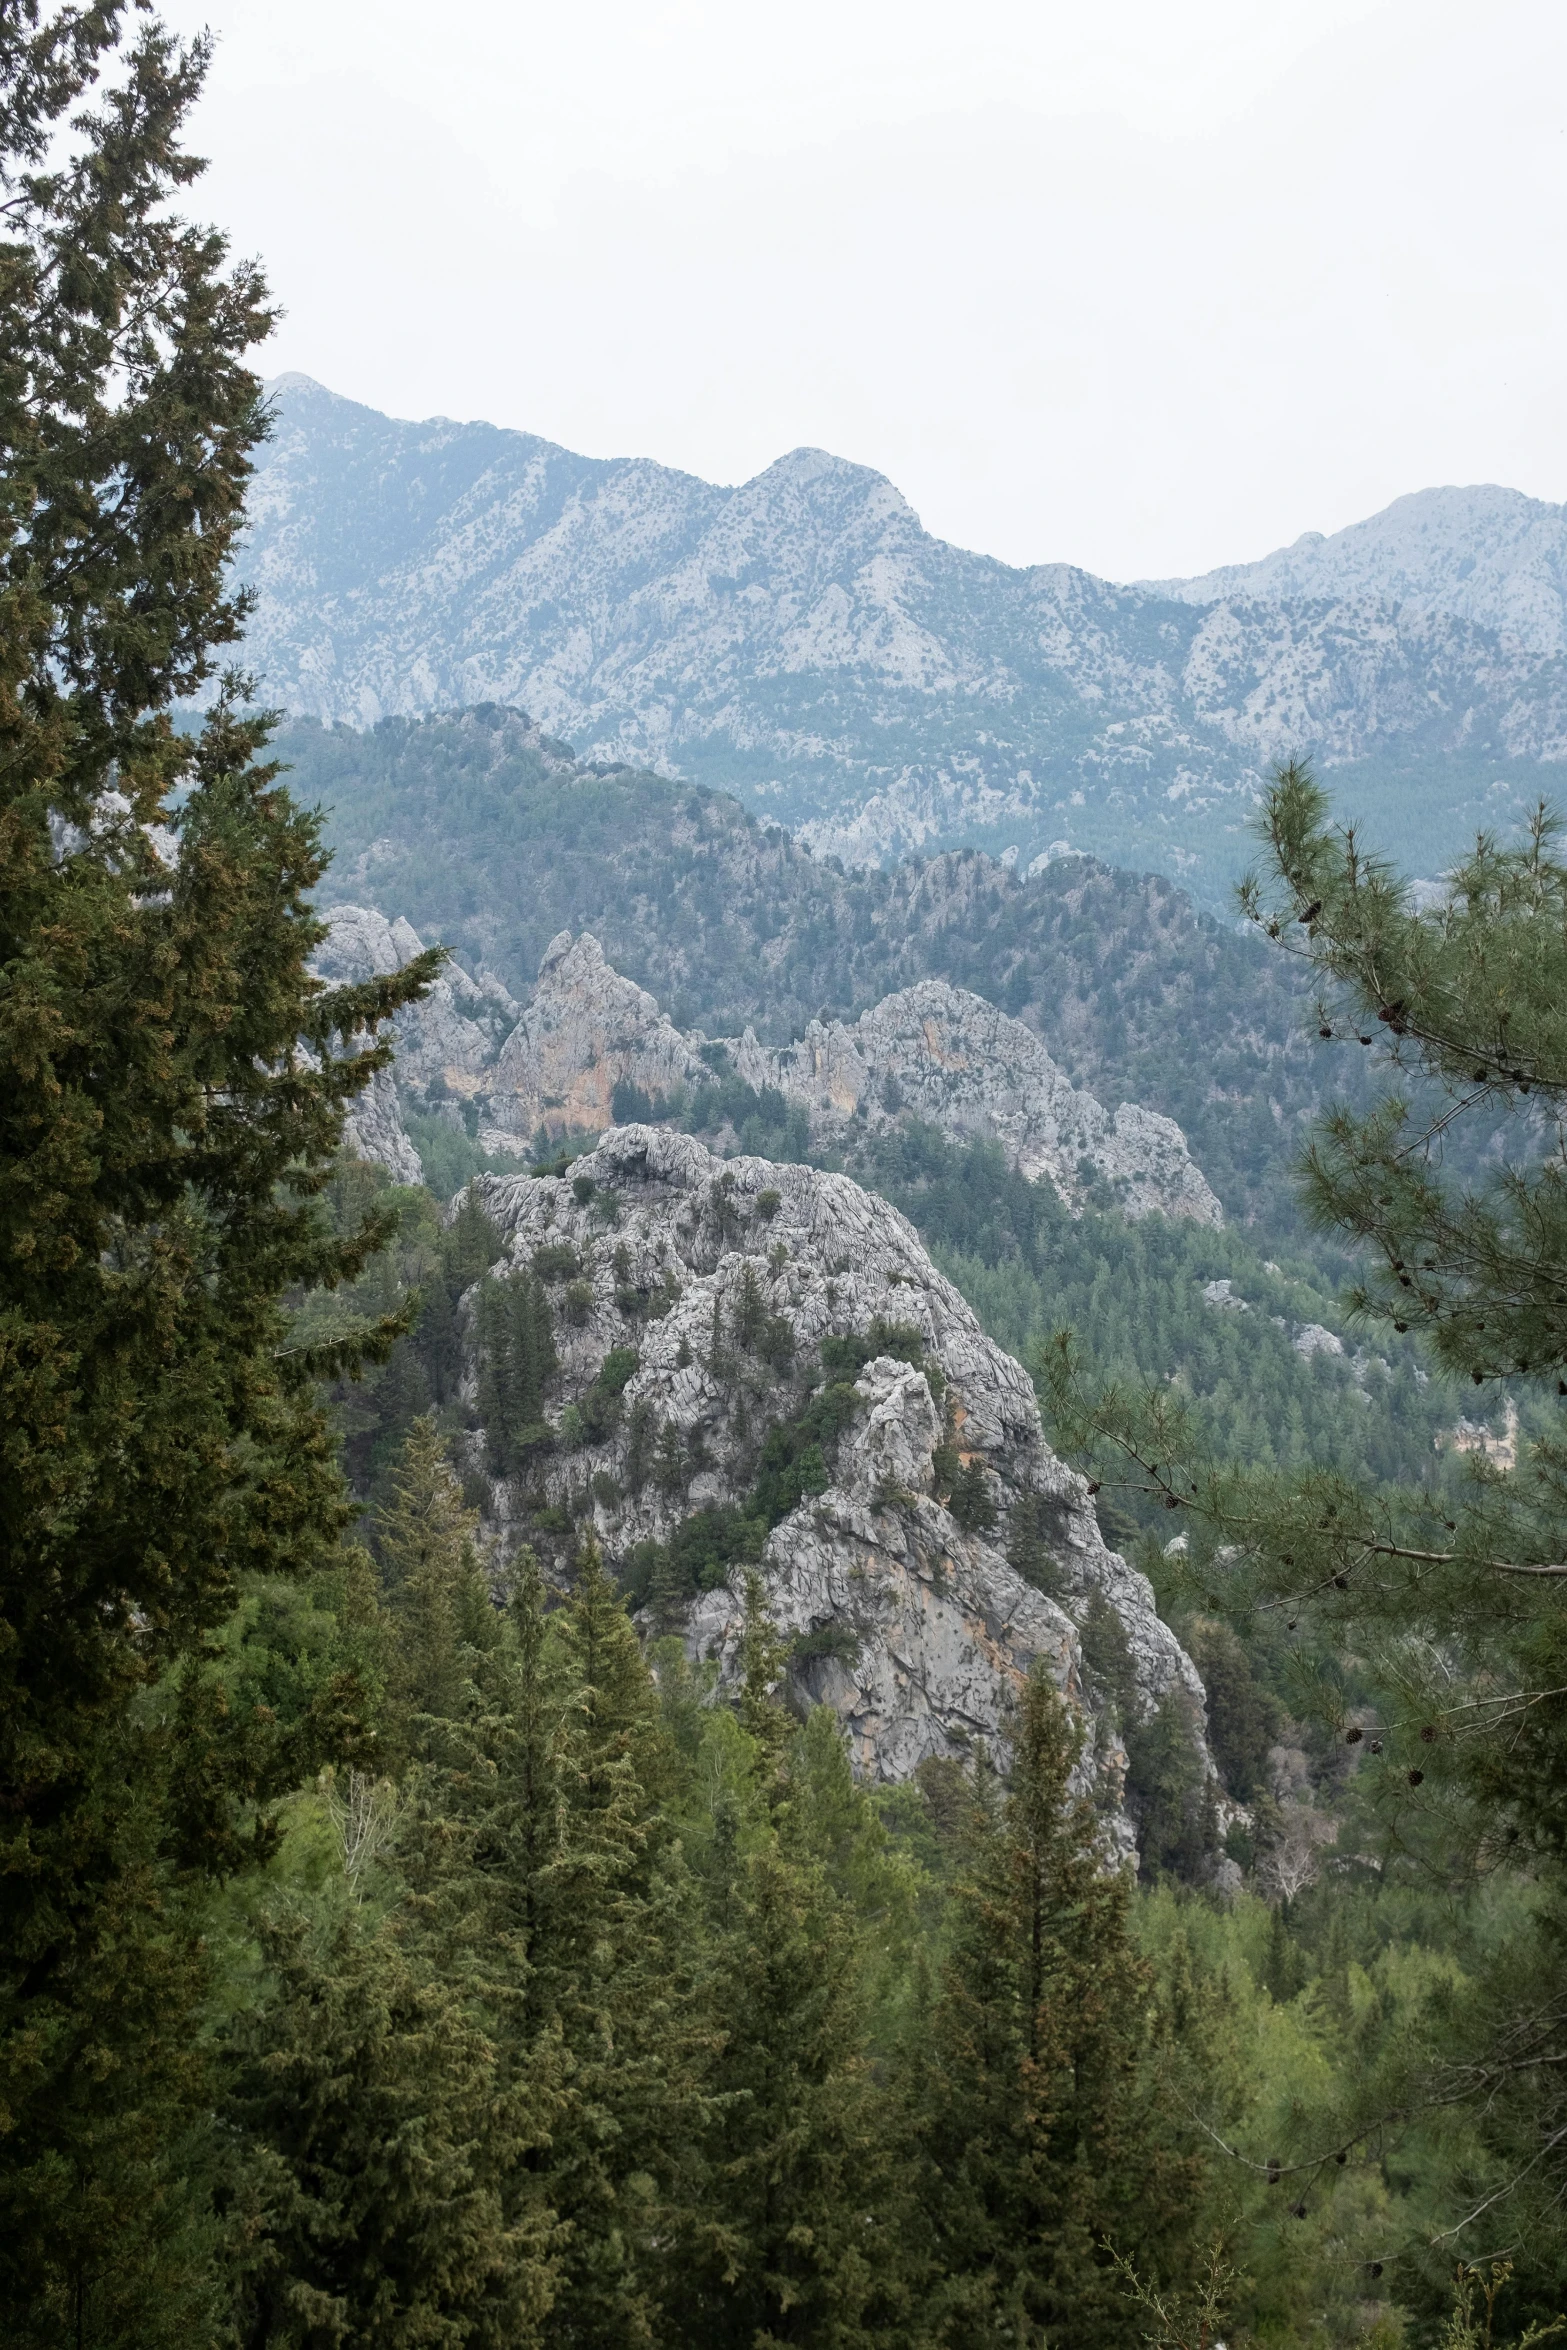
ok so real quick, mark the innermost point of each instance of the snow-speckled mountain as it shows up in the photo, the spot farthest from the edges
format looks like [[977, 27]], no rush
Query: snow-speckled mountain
[[803, 642]]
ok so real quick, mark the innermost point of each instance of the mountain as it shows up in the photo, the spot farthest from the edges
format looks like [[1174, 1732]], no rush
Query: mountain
[[740, 1365], [801, 641], [484, 833], [1487, 556]]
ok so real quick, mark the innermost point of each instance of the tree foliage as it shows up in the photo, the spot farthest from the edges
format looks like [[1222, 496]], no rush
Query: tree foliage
[[174, 1087], [1444, 1598]]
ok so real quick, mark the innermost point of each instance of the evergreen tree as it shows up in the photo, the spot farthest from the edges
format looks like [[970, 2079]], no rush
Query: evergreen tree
[[174, 1088], [619, 1957], [1038, 2145], [801, 2237], [439, 1602], [384, 2151], [1451, 1594], [517, 1363]]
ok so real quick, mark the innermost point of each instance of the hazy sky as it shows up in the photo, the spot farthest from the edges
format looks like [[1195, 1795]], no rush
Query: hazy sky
[[1145, 285]]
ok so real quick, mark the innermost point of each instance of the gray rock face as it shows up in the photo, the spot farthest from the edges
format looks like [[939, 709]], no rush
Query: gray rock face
[[374, 1130], [726, 1277], [939, 1051], [801, 640], [1488, 556], [585, 1030], [947, 1055], [966, 1067], [447, 1042]]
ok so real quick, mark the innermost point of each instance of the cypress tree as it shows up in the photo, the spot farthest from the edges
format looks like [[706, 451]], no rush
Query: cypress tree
[[1038, 2150], [801, 2236], [620, 1956], [173, 1091], [384, 2145], [439, 1603]]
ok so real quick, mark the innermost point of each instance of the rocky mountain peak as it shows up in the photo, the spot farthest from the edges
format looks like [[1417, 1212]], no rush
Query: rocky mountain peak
[[1484, 554], [801, 641], [586, 1030], [757, 1368]]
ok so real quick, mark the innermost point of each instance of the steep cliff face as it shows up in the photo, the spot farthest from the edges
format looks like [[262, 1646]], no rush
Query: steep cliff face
[[935, 1051], [374, 1130], [758, 1367], [955, 1060], [586, 1030], [446, 1043]]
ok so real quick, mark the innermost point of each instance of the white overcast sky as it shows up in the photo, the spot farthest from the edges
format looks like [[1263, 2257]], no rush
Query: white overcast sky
[[1146, 285]]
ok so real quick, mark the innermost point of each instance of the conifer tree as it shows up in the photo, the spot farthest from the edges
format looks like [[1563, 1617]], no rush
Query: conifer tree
[[438, 1599], [1451, 1595], [1037, 2141], [173, 1092], [384, 2154], [518, 1361], [801, 2236], [619, 1957]]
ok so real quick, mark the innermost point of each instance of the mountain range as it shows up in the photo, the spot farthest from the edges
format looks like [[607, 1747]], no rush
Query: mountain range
[[801, 641]]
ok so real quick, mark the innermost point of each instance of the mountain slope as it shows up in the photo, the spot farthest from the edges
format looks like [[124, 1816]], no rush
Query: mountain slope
[[802, 641], [751, 1365], [1484, 555], [486, 834]]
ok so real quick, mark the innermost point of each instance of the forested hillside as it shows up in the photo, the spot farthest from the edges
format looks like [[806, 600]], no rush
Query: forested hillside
[[490, 837], [454, 1895]]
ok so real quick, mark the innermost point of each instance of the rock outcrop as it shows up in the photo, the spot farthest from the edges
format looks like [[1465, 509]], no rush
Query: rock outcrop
[[938, 1052], [954, 1059], [374, 1130], [447, 1044], [586, 1030], [931, 1548]]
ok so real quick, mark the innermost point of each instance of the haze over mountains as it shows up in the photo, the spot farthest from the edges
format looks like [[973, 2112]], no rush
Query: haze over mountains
[[801, 641]]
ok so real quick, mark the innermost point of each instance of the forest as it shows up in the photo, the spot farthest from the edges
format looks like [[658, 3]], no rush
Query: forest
[[403, 1945]]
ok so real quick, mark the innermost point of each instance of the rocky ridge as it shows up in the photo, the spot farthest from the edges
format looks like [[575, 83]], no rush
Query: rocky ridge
[[801, 640], [953, 1059], [932, 1548], [932, 1051], [447, 1042]]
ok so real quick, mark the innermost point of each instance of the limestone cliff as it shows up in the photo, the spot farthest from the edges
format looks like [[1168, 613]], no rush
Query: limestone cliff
[[931, 1051], [586, 1029], [706, 1317], [957, 1061], [374, 1130], [938, 1052], [447, 1043]]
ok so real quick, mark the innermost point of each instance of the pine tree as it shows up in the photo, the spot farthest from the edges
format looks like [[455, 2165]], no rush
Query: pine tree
[[1449, 1594]]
